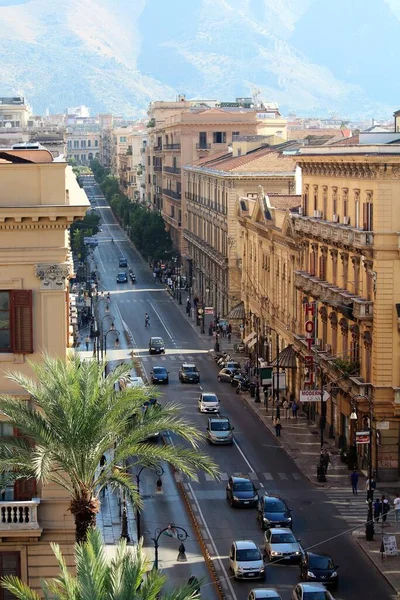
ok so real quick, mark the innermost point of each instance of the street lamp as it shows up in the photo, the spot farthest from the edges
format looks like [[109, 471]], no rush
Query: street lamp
[[112, 327], [257, 391], [172, 530], [116, 339], [159, 471]]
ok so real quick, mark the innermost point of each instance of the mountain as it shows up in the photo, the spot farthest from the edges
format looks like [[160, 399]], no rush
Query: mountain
[[311, 56]]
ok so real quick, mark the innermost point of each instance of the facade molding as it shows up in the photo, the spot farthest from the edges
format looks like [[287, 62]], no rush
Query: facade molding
[[52, 276]]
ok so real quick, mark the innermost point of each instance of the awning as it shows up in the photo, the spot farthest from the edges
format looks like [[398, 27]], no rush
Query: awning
[[237, 312], [249, 337], [252, 343], [286, 359]]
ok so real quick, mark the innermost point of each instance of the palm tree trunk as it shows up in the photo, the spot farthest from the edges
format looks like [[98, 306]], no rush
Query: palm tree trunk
[[84, 511]]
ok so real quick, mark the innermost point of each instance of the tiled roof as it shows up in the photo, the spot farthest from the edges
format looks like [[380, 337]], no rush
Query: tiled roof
[[263, 160], [210, 158], [285, 201], [351, 141]]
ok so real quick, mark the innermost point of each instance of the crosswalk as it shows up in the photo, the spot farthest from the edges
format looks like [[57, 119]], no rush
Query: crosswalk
[[352, 509], [181, 358], [255, 477]]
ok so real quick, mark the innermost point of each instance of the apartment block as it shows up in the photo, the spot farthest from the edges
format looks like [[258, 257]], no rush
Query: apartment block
[[83, 143]]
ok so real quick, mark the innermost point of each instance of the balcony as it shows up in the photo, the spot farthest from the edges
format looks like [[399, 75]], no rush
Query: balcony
[[363, 310], [157, 148], [172, 221], [172, 146], [173, 170], [203, 146], [205, 248], [157, 168], [172, 194], [18, 519], [335, 233]]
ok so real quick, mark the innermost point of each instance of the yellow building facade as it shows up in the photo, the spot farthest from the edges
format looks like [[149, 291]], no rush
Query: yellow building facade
[[39, 200]]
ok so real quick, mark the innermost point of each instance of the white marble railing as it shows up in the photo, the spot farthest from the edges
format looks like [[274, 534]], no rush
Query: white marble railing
[[19, 515]]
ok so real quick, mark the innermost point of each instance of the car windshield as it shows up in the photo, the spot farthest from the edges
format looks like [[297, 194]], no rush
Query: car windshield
[[190, 369], [220, 426], [274, 506], [321, 562], [156, 341], [283, 538], [159, 370], [243, 486], [316, 596], [209, 398], [248, 554]]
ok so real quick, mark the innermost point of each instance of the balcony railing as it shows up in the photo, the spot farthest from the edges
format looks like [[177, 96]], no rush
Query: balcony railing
[[19, 516], [157, 168], [333, 232], [174, 170], [203, 146], [172, 194], [172, 146], [157, 148]]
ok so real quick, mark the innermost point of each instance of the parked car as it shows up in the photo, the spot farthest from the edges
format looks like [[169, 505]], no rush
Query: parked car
[[227, 374], [264, 594], [156, 345], [208, 402], [272, 511], [246, 561], [319, 568], [122, 277], [311, 591], [280, 543], [123, 262], [232, 364], [219, 430], [159, 375], [241, 491], [130, 381], [189, 373], [239, 379]]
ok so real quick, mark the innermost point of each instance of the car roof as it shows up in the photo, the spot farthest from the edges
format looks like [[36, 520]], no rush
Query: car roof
[[245, 545], [191, 365], [313, 587], [236, 478], [273, 497], [159, 367], [317, 555], [266, 593], [280, 530], [156, 337], [218, 418], [208, 394]]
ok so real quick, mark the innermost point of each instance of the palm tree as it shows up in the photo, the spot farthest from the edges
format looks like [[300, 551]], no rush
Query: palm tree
[[74, 418], [125, 577]]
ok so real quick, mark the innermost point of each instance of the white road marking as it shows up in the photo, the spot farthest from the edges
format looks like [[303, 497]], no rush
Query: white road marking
[[209, 477], [261, 484], [224, 477], [161, 321], [268, 476], [243, 456], [296, 475], [282, 475]]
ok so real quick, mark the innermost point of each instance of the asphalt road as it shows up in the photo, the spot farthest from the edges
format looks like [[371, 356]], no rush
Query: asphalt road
[[317, 521]]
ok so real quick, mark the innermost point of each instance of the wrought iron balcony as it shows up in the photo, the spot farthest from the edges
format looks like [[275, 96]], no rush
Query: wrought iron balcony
[[173, 170], [172, 194], [19, 516], [172, 146], [157, 168], [203, 146], [157, 148]]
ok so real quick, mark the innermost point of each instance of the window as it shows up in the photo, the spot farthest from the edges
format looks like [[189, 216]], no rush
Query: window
[[76, 143], [367, 216], [315, 197], [89, 143], [83, 158], [69, 143], [219, 137], [9, 565], [172, 211], [235, 134], [16, 321], [83, 143], [174, 162], [122, 140], [305, 201], [324, 202], [96, 143]]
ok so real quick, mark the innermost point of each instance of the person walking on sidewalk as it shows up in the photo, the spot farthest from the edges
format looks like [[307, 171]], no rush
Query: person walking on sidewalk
[[354, 481], [377, 510], [278, 426], [396, 504], [285, 406], [87, 342], [385, 508], [295, 408], [325, 460]]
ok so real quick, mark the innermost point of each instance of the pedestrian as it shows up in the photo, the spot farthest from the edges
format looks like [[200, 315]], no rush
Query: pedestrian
[[103, 462], [385, 508], [370, 495], [229, 328], [224, 330], [354, 481], [325, 460], [87, 342], [247, 368], [285, 406], [377, 510], [295, 408], [278, 426], [396, 505], [229, 336]]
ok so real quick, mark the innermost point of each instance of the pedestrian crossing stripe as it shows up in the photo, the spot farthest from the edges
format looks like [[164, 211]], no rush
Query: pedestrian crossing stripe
[[254, 476]]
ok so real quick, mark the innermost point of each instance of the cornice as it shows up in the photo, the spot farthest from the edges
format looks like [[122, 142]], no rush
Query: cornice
[[238, 175], [37, 217]]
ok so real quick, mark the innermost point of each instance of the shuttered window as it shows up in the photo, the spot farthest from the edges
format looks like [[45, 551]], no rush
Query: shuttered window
[[16, 321], [9, 565]]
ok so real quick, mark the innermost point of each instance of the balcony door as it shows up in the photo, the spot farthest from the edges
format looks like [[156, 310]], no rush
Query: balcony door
[[9, 565]]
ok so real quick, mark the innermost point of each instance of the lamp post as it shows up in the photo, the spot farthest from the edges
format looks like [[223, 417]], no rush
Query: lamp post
[[257, 391], [124, 521], [112, 327], [172, 530], [159, 471], [116, 339]]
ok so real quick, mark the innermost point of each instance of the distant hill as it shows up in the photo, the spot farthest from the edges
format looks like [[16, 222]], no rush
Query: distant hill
[[311, 56]]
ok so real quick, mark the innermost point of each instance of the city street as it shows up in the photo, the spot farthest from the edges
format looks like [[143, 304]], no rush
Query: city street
[[318, 520]]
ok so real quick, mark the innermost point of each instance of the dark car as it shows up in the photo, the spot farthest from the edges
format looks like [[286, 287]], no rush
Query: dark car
[[156, 345], [239, 378], [122, 277], [123, 262], [159, 375], [319, 568], [272, 511], [189, 373], [241, 491]]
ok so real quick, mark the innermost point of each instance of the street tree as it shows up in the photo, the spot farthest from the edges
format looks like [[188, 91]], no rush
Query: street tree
[[125, 577], [75, 417]]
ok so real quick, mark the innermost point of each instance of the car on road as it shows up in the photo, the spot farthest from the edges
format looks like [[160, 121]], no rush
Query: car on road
[[226, 374], [159, 375], [189, 373], [319, 568], [156, 345], [241, 491], [311, 591], [208, 402], [123, 262], [246, 561], [129, 381], [264, 594], [239, 379], [272, 511], [122, 277], [280, 544], [232, 364], [219, 430]]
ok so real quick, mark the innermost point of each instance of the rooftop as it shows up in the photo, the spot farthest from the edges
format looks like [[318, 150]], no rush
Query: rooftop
[[262, 160]]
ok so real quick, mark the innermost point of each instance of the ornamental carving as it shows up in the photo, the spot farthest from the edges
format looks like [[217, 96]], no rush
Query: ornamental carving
[[344, 326], [333, 319], [343, 170], [52, 277]]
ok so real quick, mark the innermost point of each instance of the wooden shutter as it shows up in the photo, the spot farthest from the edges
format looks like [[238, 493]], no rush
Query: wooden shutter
[[9, 565], [24, 489], [21, 321]]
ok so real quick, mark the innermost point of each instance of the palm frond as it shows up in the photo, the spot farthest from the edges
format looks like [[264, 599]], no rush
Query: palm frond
[[18, 588]]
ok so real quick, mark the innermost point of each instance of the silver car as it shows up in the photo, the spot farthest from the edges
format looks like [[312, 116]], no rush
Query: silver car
[[311, 591], [264, 594], [219, 431], [280, 544]]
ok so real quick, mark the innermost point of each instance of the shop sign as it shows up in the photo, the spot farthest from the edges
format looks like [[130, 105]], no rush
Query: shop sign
[[208, 310], [309, 328], [313, 396], [266, 375], [390, 545], [362, 437]]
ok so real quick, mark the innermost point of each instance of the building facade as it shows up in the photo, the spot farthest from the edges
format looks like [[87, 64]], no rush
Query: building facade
[[83, 143], [39, 199]]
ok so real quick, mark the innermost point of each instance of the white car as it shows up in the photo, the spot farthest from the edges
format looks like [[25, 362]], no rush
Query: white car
[[246, 561], [264, 594], [208, 403], [281, 544], [130, 381], [311, 591]]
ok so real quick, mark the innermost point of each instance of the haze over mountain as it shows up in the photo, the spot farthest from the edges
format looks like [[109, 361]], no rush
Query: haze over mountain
[[312, 56]]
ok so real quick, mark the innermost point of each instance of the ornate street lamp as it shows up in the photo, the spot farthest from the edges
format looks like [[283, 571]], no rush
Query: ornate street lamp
[[159, 471], [172, 530]]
